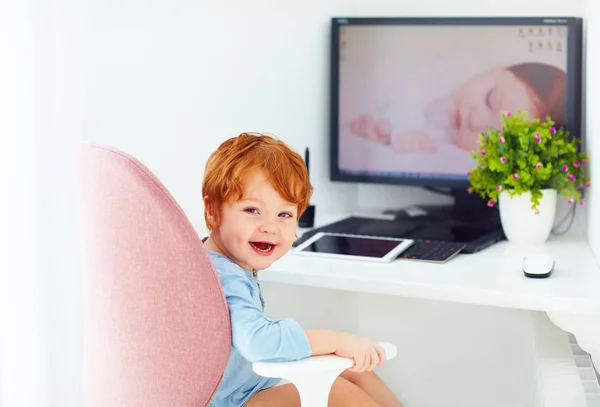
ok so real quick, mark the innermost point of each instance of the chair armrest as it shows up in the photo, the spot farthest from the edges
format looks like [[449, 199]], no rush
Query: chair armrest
[[308, 366], [314, 376]]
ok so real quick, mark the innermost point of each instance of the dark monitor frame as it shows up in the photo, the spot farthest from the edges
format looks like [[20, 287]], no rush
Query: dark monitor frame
[[573, 113]]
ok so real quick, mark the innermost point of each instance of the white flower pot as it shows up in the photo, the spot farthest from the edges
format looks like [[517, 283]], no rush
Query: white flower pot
[[523, 225]]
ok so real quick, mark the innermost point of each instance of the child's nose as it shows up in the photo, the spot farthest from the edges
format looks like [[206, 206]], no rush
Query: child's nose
[[268, 226]]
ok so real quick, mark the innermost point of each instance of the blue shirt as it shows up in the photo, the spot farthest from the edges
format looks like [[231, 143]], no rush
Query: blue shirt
[[255, 337]]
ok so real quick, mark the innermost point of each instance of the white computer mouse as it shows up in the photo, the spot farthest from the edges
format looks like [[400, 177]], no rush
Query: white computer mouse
[[538, 265]]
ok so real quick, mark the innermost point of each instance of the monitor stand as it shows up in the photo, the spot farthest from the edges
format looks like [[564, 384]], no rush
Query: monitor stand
[[467, 208]]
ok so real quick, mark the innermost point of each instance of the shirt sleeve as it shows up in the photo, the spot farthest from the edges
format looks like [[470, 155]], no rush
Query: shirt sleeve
[[257, 337]]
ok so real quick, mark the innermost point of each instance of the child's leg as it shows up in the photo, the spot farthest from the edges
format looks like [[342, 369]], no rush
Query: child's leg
[[343, 394], [372, 385]]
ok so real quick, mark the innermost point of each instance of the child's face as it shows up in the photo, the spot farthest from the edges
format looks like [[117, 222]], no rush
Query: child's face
[[259, 228], [478, 103]]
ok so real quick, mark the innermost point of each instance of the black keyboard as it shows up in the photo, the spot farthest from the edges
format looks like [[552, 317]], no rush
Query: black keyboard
[[432, 250]]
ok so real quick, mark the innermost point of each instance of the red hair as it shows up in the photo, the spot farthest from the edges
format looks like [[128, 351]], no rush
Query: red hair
[[229, 164]]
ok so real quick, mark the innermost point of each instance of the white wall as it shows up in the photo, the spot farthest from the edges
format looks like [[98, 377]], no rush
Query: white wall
[[22, 349], [170, 82], [167, 81], [58, 112]]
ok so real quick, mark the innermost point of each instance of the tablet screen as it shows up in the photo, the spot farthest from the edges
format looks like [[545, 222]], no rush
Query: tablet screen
[[352, 245]]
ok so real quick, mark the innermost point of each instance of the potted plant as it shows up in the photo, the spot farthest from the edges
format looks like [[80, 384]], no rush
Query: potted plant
[[523, 166]]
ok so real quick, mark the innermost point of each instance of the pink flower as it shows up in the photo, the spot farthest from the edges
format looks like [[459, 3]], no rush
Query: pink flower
[[491, 202], [469, 190], [537, 135], [516, 176], [565, 168], [571, 201], [552, 130], [584, 161], [581, 203], [501, 139], [571, 178], [499, 188], [482, 152], [536, 212], [538, 165], [502, 160], [576, 164], [507, 114], [468, 173], [587, 184]]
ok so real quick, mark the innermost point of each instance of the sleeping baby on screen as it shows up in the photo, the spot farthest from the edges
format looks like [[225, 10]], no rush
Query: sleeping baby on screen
[[255, 188], [474, 107]]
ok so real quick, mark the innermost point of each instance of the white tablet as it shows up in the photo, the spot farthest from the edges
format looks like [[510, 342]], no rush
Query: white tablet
[[353, 247]]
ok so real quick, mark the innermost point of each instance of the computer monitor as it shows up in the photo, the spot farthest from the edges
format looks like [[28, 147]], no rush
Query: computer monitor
[[410, 96]]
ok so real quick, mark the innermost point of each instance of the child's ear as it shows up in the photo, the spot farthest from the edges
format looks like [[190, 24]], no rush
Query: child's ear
[[208, 209]]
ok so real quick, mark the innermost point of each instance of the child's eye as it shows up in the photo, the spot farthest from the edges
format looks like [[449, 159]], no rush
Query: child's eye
[[286, 215], [489, 98], [251, 210]]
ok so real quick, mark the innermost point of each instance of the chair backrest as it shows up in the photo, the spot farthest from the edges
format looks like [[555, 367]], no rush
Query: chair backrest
[[156, 325]]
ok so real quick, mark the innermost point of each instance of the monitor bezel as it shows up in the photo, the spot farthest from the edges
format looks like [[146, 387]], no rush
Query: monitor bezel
[[573, 113]]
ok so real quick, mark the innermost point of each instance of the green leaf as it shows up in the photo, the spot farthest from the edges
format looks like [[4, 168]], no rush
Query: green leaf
[[522, 152]]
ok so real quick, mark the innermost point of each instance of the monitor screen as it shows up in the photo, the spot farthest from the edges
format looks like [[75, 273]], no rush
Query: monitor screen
[[411, 99]]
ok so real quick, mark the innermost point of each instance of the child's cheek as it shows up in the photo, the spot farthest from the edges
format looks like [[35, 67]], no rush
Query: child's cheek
[[468, 141]]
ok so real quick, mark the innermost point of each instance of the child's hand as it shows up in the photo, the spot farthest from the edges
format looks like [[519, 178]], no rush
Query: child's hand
[[367, 127], [413, 142], [366, 354]]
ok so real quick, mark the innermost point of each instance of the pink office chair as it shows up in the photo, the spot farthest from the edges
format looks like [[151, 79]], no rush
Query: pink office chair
[[156, 324]]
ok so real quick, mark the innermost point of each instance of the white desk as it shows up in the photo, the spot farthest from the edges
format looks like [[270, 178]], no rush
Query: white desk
[[570, 297]]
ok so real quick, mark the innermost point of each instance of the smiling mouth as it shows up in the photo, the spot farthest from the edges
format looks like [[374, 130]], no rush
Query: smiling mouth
[[263, 248]]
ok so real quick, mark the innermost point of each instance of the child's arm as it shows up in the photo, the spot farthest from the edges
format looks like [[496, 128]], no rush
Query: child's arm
[[417, 141], [366, 353], [366, 126], [257, 337], [322, 342]]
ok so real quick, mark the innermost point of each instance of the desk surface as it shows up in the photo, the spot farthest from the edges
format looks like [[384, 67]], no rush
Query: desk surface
[[490, 277]]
